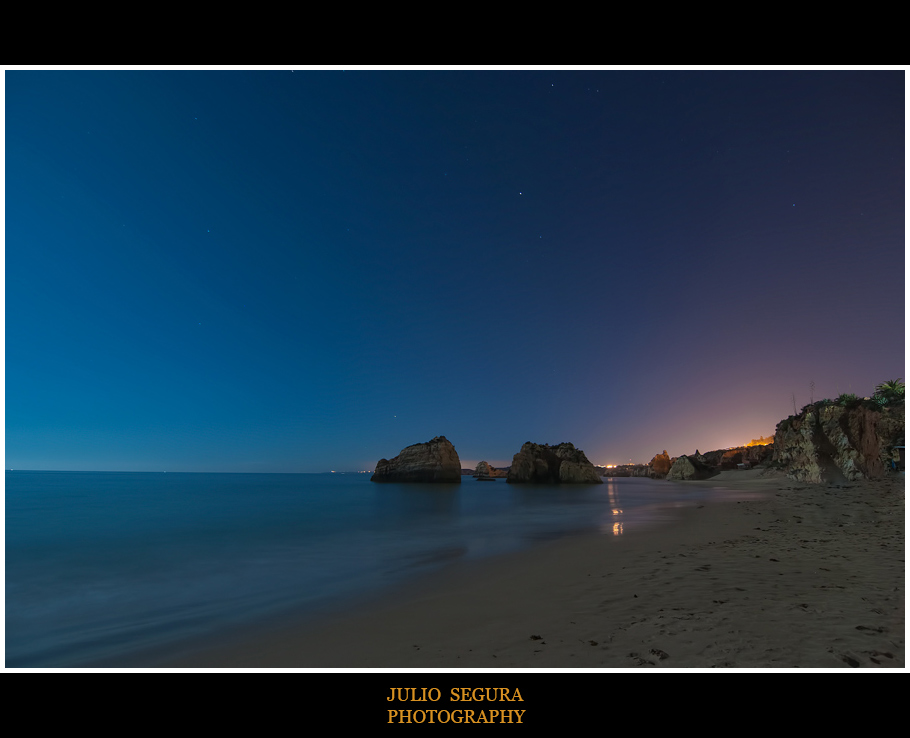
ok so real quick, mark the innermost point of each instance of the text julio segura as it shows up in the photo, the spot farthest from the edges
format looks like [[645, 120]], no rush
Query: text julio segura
[[456, 694]]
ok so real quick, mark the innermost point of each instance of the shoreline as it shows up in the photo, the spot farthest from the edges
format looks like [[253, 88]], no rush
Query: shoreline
[[804, 576]]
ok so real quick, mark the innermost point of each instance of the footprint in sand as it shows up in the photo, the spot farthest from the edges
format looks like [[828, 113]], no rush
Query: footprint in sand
[[849, 660]]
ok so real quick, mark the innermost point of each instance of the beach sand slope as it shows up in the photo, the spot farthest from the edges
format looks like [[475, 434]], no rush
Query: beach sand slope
[[797, 576]]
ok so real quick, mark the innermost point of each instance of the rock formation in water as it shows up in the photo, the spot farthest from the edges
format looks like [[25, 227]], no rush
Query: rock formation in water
[[433, 461], [545, 464], [482, 469], [829, 442]]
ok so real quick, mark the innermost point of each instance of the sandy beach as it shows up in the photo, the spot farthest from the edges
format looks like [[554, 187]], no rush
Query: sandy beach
[[796, 576]]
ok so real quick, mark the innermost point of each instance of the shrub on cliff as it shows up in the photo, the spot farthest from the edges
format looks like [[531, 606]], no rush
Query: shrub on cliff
[[890, 392]]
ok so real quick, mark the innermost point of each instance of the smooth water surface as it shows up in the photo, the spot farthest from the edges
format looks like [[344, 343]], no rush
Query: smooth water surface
[[102, 563]]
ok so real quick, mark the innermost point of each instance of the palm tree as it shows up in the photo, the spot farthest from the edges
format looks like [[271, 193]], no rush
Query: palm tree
[[890, 391]]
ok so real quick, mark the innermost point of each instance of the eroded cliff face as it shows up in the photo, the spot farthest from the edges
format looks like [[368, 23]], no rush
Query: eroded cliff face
[[834, 443], [545, 464], [433, 461]]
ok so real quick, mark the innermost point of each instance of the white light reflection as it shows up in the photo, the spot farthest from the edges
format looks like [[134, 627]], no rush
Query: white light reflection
[[613, 527]]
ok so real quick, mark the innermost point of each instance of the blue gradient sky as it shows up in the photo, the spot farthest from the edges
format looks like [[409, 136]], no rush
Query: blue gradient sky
[[304, 271]]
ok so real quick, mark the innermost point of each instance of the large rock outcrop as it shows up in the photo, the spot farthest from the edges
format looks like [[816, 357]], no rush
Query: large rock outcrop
[[660, 466], [545, 464], [828, 442], [433, 461], [689, 467], [485, 470]]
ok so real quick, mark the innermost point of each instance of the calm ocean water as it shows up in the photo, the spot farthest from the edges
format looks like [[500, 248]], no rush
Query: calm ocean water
[[102, 563]]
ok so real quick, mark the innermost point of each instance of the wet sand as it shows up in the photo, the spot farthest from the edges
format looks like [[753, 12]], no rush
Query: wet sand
[[798, 576]]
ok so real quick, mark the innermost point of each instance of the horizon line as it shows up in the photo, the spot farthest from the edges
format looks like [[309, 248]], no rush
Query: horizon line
[[165, 471]]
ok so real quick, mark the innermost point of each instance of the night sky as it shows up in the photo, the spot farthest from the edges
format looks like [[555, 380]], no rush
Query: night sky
[[277, 271]]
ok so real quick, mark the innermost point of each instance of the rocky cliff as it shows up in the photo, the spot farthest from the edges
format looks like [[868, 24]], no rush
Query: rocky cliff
[[545, 464], [730, 458], [629, 470], [832, 442], [433, 461]]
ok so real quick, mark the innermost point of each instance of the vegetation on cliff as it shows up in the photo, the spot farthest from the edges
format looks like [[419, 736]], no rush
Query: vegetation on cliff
[[888, 394], [847, 438]]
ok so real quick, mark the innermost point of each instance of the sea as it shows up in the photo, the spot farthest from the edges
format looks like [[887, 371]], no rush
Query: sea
[[100, 565]]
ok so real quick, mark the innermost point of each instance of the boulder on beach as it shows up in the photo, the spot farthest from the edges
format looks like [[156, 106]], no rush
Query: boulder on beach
[[689, 467], [433, 461], [545, 464]]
